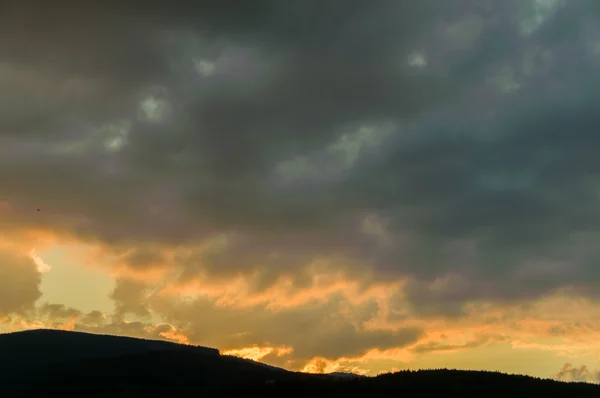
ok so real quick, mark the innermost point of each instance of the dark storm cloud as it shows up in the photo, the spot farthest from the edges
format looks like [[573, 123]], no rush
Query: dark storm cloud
[[467, 127], [225, 133]]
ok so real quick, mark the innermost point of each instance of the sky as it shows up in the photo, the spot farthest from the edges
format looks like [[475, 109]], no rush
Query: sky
[[322, 185]]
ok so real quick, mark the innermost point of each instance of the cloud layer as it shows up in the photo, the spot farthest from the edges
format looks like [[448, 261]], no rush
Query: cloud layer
[[445, 149]]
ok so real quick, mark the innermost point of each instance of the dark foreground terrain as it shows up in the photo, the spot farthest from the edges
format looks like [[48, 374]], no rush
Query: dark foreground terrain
[[46, 362]]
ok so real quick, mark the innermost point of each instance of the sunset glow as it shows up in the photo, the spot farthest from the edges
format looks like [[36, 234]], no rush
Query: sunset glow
[[327, 186]]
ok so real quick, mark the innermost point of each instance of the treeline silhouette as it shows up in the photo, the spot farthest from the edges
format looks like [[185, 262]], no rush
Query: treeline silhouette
[[46, 362]]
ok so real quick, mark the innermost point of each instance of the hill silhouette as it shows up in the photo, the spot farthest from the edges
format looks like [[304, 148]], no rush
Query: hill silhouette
[[45, 362], [45, 346]]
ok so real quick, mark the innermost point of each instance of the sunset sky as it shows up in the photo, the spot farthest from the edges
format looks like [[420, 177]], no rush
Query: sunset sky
[[322, 185]]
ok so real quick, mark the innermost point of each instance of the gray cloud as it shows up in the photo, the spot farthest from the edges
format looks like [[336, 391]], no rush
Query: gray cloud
[[570, 373], [59, 316], [467, 128], [436, 346], [330, 329], [130, 298], [57, 311], [19, 283]]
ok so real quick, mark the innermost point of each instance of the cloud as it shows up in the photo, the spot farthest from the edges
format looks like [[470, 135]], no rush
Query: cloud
[[19, 283], [438, 346], [570, 373], [447, 147], [59, 316], [58, 311], [130, 297], [40, 264], [295, 136], [343, 335], [330, 329], [257, 353]]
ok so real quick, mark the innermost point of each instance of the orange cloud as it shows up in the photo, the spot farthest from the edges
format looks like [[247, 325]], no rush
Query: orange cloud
[[169, 332], [323, 366], [257, 353], [16, 324], [551, 324], [70, 324], [41, 265], [163, 331], [238, 293]]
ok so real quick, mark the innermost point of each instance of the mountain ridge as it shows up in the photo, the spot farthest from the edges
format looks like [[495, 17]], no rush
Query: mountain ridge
[[97, 365]]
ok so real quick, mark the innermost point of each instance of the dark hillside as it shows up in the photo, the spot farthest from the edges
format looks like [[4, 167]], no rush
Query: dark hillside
[[45, 346], [79, 364]]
